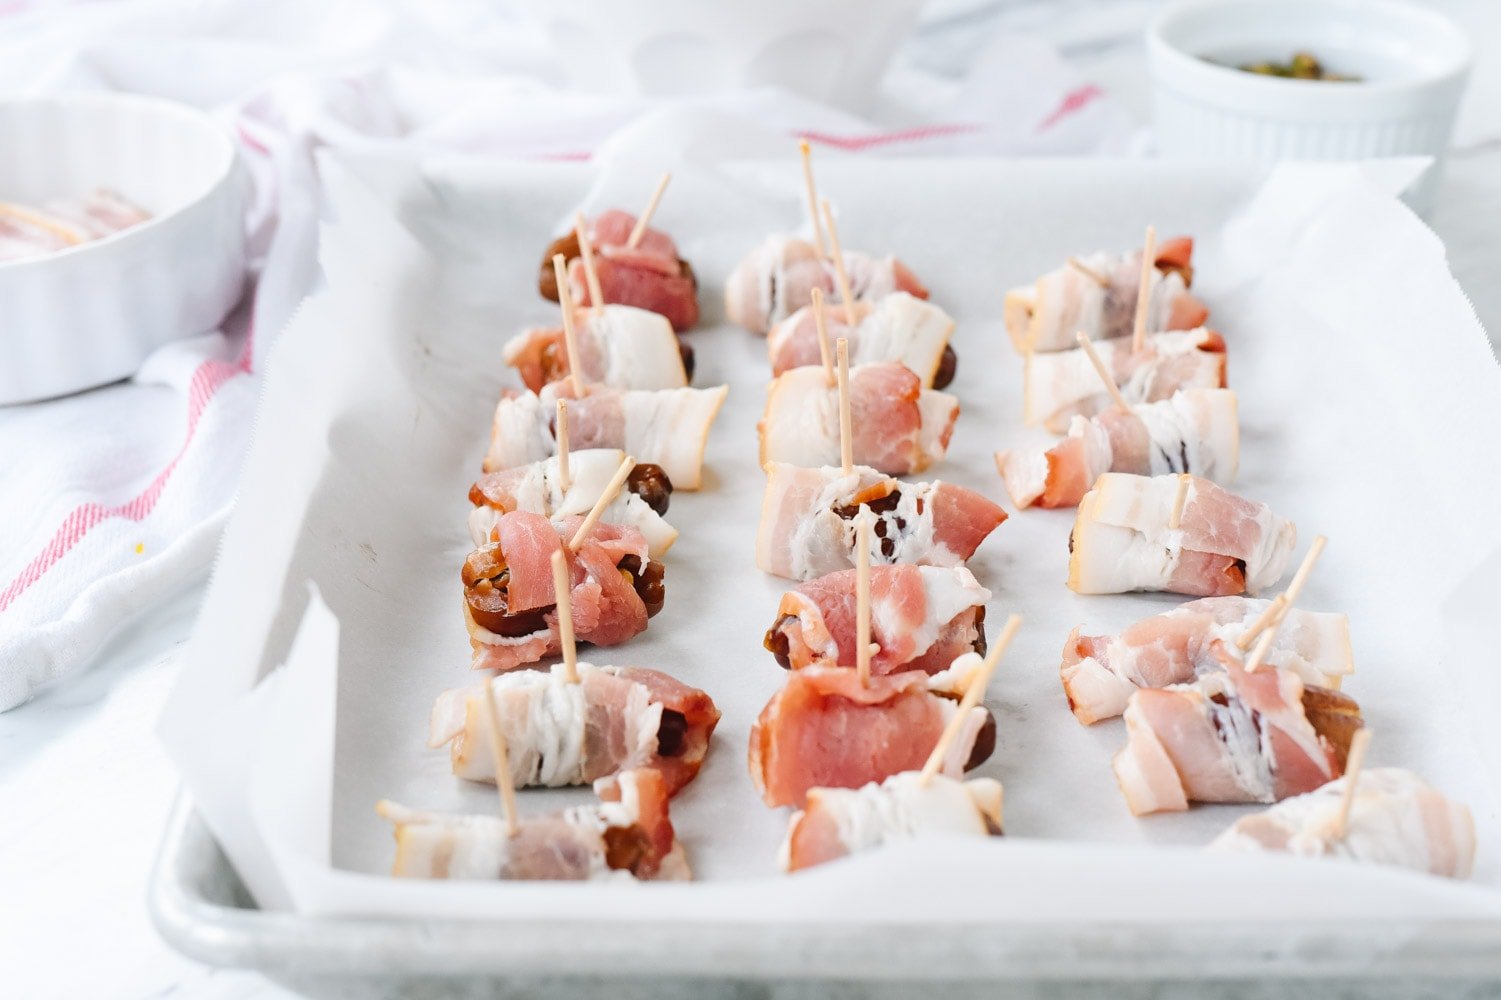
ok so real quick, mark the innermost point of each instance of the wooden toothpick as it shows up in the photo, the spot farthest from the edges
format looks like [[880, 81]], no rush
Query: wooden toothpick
[[821, 324], [570, 335], [1280, 605], [1089, 272], [1144, 291], [560, 431], [846, 429], [1353, 763], [840, 275], [562, 593], [502, 758], [972, 695], [646, 213], [597, 511], [812, 191], [862, 595], [1175, 517], [1104, 372], [591, 275]]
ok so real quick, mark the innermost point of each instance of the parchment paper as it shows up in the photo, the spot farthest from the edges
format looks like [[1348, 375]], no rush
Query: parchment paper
[[1370, 408]]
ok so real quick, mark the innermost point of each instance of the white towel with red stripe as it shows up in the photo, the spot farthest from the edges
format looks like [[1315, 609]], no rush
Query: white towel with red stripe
[[113, 499]]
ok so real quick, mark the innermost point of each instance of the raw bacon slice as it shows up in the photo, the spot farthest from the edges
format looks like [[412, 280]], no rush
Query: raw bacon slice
[[838, 822], [537, 489], [1232, 736], [666, 427], [510, 606], [1196, 431], [615, 719], [619, 346], [899, 426], [1046, 315], [1223, 545], [1057, 387], [627, 834], [777, 279], [899, 327], [807, 521], [1396, 818], [823, 729], [921, 617], [1100, 672], [649, 276], [29, 231]]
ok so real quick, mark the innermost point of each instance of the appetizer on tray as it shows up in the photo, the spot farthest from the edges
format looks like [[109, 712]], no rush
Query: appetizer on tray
[[898, 327], [618, 346], [33, 230]]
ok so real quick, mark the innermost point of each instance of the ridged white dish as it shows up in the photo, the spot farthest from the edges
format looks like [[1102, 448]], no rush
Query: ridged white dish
[[90, 314], [829, 50], [1413, 63]]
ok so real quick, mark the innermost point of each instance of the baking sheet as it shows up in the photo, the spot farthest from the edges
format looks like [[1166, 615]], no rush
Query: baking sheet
[[1360, 367]]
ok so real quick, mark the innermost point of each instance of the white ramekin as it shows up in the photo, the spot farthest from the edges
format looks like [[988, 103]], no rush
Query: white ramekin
[[1414, 62], [90, 314], [829, 50]]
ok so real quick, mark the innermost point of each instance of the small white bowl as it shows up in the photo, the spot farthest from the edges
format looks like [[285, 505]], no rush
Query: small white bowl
[[90, 314], [829, 50], [1413, 64]]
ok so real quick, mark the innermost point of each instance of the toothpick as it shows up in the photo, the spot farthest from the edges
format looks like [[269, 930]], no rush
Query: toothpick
[[972, 695], [1280, 605], [846, 432], [1263, 646], [562, 593], [560, 431], [591, 275], [840, 275], [1089, 272], [1144, 291], [597, 511], [1180, 498], [1353, 762], [862, 595], [1104, 373], [820, 322], [502, 758], [812, 191], [647, 213], [570, 336]]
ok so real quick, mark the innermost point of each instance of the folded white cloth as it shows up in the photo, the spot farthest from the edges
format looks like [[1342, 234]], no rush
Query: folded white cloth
[[112, 499]]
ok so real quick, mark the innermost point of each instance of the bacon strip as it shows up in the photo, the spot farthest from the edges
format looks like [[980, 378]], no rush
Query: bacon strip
[[1224, 544], [1396, 818], [898, 327], [777, 279], [620, 346], [1195, 431], [650, 275], [807, 527]]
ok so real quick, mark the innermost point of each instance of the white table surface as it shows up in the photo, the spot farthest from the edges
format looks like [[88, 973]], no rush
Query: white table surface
[[85, 789]]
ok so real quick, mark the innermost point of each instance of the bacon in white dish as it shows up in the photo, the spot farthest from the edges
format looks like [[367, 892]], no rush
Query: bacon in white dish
[[628, 834], [1057, 387], [1124, 539], [537, 489], [510, 606], [777, 279], [824, 729], [666, 427], [899, 427], [1100, 672], [838, 822], [921, 618], [1396, 818], [651, 275], [1195, 431], [1046, 315], [899, 327], [619, 346], [1232, 736], [807, 521], [29, 231], [614, 719]]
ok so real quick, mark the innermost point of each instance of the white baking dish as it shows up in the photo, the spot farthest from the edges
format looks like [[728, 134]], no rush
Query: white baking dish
[[91, 314]]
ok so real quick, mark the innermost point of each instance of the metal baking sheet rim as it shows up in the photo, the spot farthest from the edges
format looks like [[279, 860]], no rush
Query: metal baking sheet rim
[[213, 931]]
